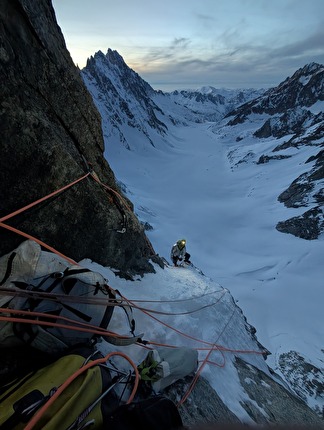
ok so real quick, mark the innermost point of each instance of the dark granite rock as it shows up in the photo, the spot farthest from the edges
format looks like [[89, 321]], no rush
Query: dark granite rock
[[49, 127]]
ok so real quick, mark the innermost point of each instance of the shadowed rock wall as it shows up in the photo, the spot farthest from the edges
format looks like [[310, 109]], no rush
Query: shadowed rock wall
[[49, 127]]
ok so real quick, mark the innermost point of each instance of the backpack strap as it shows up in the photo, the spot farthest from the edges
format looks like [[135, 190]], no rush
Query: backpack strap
[[14, 385], [9, 267], [123, 340], [129, 314], [25, 408]]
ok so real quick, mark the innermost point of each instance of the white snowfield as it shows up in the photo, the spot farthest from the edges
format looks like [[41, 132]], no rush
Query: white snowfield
[[203, 185]]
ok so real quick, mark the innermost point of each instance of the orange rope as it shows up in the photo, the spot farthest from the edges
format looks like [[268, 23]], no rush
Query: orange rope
[[205, 361], [28, 236], [95, 177], [78, 325], [43, 199], [100, 301], [44, 408], [183, 333], [234, 351], [188, 299], [195, 379], [88, 328], [215, 347], [103, 301], [217, 364]]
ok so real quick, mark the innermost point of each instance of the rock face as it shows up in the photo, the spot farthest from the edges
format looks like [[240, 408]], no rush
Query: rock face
[[51, 136], [204, 406], [126, 96], [292, 111], [268, 402], [305, 378], [269, 397], [304, 88]]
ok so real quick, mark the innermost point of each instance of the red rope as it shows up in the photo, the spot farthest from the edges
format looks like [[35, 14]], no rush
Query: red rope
[[205, 361], [95, 177], [36, 202], [77, 325], [28, 236], [188, 336]]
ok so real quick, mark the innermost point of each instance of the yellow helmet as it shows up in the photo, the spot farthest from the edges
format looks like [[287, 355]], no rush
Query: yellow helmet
[[181, 243]]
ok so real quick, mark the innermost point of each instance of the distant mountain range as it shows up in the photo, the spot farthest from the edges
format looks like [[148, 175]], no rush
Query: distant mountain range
[[293, 110], [126, 101]]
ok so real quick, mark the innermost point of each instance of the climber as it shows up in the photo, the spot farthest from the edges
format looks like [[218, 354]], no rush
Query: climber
[[178, 252]]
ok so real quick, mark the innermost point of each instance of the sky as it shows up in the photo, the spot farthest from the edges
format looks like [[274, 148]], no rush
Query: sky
[[177, 44], [227, 212]]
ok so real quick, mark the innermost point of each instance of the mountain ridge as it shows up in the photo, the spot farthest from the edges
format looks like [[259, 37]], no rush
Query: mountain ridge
[[286, 110], [292, 111]]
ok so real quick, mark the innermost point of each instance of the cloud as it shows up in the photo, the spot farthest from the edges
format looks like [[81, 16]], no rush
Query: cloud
[[235, 42], [250, 63], [311, 44], [180, 43], [163, 55], [205, 21]]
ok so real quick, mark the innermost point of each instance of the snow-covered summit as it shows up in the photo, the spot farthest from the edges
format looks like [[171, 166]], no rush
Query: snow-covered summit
[[131, 106], [213, 104], [123, 98], [303, 89]]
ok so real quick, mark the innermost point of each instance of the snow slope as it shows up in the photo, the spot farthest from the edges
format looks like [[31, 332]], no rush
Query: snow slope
[[185, 308], [197, 186]]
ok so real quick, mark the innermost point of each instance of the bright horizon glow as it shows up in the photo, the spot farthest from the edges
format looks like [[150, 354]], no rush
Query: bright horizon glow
[[186, 44]]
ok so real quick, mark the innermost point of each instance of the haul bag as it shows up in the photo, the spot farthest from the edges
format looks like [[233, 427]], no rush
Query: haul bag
[[21, 399]]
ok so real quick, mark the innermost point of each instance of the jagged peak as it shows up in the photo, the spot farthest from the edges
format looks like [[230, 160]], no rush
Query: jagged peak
[[307, 70], [110, 58], [115, 58], [93, 58], [113, 66], [312, 67]]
